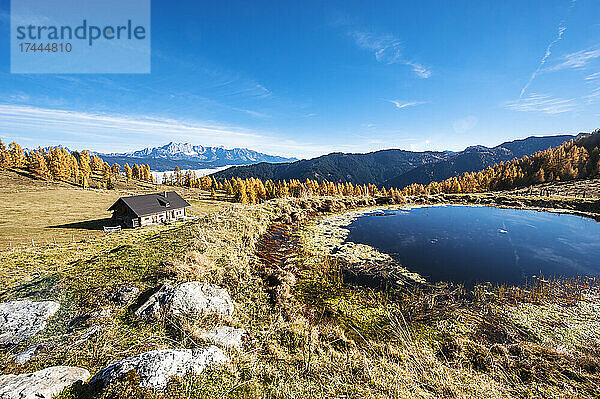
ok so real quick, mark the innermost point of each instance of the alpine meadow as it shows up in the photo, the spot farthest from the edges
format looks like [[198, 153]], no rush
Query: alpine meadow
[[300, 200]]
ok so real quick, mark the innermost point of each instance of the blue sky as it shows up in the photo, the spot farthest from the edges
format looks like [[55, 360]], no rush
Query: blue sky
[[307, 78]]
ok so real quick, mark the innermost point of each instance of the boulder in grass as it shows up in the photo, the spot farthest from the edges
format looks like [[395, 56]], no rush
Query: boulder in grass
[[195, 299], [28, 354], [125, 295], [224, 336], [189, 299], [156, 368], [42, 384], [20, 320]]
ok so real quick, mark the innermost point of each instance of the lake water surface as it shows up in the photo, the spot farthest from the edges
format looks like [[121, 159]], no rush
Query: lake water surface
[[471, 245]]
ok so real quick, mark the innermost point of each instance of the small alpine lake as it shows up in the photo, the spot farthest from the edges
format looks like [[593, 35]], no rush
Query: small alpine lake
[[479, 244]]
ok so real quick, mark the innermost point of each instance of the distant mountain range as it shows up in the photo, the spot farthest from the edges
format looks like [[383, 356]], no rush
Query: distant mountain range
[[188, 156], [476, 158], [395, 168]]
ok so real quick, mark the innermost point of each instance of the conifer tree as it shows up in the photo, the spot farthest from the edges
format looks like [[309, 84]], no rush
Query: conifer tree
[[128, 172], [107, 179], [17, 157], [37, 164], [73, 166], [4, 156], [58, 163], [135, 171], [97, 164], [85, 167]]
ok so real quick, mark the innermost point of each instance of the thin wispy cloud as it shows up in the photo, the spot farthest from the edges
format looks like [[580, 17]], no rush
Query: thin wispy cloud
[[593, 76], [576, 60], [561, 31], [18, 98], [255, 113], [237, 88], [80, 122], [543, 103], [387, 49], [121, 133], [593, 96], [401, 105], [117, 132], [559, 35], [421, 70], [594, 80]]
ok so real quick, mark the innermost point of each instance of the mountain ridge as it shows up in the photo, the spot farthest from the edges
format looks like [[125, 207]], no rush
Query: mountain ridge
[[476, 158], [368, 168], [189, 156], [394, 167], [187, 151]]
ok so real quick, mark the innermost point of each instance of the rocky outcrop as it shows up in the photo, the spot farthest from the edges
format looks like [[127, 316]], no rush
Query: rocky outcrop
[[27, 354], [189, 299], [125, 295], [156, 368], [20, 320], [44, 383], [224, 336]]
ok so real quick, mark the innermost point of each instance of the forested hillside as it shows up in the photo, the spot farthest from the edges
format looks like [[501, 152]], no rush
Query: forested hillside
[[372, 168], [575, 159], [75, 167], [396, 168], [474, 159]]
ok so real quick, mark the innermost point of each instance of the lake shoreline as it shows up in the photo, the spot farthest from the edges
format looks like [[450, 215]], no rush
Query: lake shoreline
[[539, 330], [575, 206], [326, 233]]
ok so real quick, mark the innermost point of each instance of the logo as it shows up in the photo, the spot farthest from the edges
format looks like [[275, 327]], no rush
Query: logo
[[68, 36]]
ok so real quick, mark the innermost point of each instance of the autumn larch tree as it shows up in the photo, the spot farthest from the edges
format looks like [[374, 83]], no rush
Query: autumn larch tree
[[36, 163], [128, 172]]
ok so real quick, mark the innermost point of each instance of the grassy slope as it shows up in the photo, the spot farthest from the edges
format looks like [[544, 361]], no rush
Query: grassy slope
[[46, 211], [572, 189], [81, 277], [311, 335]]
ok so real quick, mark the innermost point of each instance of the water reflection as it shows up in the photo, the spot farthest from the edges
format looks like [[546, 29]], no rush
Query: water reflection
[[480, 244]]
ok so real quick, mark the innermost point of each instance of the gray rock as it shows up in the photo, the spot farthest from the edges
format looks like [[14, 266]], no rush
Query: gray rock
[[156, 303], [125, 295], [27, 354], [189, 299], [156, 368], [44, 383], [225, 336], [99, 314], [195, 298], [87, 335], [20, 320]]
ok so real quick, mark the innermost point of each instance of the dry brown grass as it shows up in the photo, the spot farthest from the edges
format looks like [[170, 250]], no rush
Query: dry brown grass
[[48, 212], [588, 188], [311, 334]]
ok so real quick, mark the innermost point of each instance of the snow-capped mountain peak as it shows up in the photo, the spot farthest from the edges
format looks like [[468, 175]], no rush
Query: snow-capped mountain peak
[[180, 148], [190, 152]]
